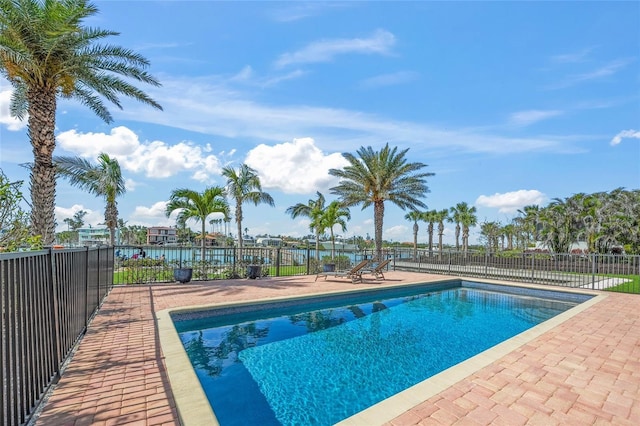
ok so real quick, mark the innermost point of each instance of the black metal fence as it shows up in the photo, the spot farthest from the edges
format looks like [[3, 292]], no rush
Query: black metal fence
[[593, 271], [139, 265], [48, 298], [149, 264]]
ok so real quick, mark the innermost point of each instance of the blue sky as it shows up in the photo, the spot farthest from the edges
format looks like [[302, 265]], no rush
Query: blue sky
[[508, 103]]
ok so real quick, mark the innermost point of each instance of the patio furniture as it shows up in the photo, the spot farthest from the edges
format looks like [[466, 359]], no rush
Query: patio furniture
[[355, 273]]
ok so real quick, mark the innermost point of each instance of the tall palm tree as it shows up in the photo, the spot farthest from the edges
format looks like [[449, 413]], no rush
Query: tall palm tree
[[456, 214], [491, 231], [198, 206], [414, 216], [440, 217], [531, 222], [378, 176], [333, 215], [314, 210], [508, 231], [47, 52], [102, 180], [430, 218], [468, 219], [243, 185]]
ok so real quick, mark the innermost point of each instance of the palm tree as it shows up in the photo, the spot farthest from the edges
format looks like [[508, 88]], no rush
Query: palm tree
[[47, 52], [491, 231], [102, 180], [440, 216], [508, 231], [333, 215], [243, 185], [198, 206], [456, 215], [314, 210], [378, 176], [467, 219], [530, 222], [430, 218], [414, 216]]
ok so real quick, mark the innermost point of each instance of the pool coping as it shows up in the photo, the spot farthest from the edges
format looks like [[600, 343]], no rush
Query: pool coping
[[194, 409]]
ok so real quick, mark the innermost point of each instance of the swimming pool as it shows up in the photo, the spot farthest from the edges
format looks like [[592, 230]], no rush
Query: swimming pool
[[323, 360]]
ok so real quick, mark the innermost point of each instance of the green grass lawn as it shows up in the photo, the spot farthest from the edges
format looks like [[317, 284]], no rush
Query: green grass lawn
[[631, 286]]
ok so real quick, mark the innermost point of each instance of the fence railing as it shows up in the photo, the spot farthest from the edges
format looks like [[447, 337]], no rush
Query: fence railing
[[149, 264], [594, 271], [47, 298]]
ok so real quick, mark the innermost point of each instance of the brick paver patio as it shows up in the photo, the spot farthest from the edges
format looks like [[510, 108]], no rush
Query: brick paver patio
[[585, 371]]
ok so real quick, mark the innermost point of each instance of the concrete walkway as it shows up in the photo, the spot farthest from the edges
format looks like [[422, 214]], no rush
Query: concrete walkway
[[585, 371]]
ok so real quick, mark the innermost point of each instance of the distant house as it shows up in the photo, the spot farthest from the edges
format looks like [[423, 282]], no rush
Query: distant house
[[210, 240], [269, 242], [94, 236], [162, 235]]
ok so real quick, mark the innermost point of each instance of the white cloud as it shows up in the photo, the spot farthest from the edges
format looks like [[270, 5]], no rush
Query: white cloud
[[153, 216], [396, 233], [635, 134], [155, 159], [510, 202], [380, 42], [393, 79], [525, 118], [130, 184], [604, 71], [573, 57], [234, 115], [92, 218], [6, 119], [297, 167]]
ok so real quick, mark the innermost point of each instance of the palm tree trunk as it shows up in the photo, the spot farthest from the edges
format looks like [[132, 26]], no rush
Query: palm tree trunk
[[318, 247], [202, 247], [42, 122], [415, 241], [458, 236], [430, 230], [239, 223], [333, 245], [378, 217]]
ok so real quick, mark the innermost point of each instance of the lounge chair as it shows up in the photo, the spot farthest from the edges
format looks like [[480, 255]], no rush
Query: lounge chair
[[355, 273], [377, 270]]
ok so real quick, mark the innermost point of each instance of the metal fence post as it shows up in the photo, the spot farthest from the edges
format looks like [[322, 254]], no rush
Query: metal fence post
[[56, 315], [533, 267], [277, 261], [593, 270]]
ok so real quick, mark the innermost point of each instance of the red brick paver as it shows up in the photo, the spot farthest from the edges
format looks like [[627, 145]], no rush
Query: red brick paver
[[585, 371]]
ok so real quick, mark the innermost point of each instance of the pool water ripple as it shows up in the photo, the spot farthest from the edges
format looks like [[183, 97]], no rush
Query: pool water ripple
[[320, 367]]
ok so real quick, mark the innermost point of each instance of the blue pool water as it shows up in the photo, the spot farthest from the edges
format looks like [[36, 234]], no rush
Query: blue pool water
[[322, 361]]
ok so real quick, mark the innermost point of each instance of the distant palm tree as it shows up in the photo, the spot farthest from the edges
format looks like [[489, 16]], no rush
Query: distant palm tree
[[531, 222], [378, 176], [198, 206], [46, 52], [414, 216], [468, 219], [455, 216], [243, 185], [102, 180], [440, 217], [314, 209], [430, 218], [334, 215], [491, 231]]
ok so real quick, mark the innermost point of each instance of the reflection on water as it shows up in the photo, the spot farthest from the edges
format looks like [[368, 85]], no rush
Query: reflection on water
[[357, 354]]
